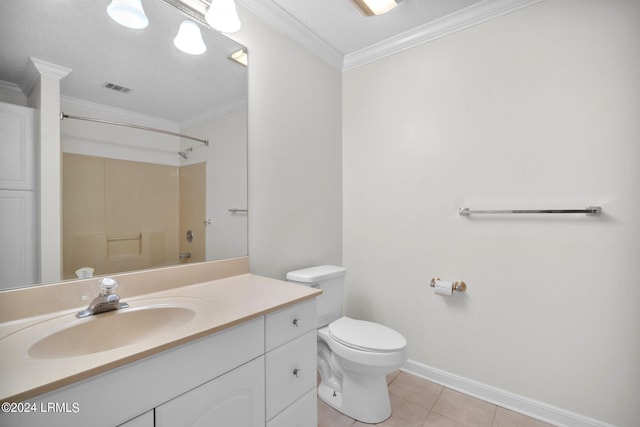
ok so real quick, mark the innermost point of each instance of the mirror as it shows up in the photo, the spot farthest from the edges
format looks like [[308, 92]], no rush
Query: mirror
[[127, 178]]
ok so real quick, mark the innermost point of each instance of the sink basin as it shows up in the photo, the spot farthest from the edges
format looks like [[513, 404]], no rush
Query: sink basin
[[111, 330], [149, 322]]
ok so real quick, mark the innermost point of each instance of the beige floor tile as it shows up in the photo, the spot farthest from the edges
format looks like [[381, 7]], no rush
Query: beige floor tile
[[417, 402], [403, 414], [416, 390], [329, 417], [465, 409], [437, 420], [392, 376], [507, 418]]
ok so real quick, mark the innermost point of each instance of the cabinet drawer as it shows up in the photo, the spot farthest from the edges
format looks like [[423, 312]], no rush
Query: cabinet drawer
[[303, 413], [290, 372], [289, 323]]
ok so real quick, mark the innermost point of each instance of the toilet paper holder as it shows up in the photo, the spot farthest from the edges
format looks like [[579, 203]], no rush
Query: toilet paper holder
[[458, 285]]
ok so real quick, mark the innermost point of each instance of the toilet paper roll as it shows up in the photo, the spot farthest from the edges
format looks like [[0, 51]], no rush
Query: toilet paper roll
[[444, 288]]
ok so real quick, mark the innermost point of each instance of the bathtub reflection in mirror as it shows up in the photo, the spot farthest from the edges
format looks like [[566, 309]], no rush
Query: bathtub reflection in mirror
[[130, 196]]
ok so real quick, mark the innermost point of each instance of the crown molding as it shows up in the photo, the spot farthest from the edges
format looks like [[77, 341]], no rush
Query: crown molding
[[10, 88], [36, 68], [457, 21], [229, 107], [280, 19], [465, 18]]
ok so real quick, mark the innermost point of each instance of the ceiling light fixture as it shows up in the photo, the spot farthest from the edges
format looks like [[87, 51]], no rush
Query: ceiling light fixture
[[222, 16], [189, 39], [240, 56], [375, 7], [128, 13]]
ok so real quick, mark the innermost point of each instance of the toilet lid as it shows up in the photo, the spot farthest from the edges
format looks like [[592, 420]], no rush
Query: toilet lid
[[367, 336]]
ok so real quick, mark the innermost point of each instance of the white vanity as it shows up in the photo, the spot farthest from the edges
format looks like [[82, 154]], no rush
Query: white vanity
[[248, 360]]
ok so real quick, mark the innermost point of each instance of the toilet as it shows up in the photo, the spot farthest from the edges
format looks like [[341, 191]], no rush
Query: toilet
[[354, 356]]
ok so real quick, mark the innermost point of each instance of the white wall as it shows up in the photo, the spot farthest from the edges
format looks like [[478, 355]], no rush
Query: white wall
[[537, 109], [226, 157], [295, 170]]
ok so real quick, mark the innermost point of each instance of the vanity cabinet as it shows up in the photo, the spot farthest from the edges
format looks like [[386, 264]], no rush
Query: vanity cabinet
[[291, 378], [234, 377]]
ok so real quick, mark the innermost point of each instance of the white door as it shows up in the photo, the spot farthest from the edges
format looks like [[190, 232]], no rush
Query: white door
[[17, 197], [235, 399]]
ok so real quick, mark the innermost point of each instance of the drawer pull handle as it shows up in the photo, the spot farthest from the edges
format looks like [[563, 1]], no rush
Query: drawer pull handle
[[297, 372], [297, 322]]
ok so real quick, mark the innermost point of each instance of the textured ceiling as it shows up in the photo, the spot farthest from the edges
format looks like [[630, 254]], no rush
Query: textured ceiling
[[79, 35], [169, 84]]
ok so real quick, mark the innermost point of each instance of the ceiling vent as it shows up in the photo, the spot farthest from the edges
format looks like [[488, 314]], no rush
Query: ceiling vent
[[116, 87]]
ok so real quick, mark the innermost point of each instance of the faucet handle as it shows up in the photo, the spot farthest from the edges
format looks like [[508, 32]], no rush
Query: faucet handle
[[107, 286]]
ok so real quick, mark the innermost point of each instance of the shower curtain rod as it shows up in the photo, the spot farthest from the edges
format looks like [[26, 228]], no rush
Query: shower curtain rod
[[129, 125]]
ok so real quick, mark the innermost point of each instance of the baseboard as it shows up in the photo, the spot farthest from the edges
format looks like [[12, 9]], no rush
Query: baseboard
[[524, 405]]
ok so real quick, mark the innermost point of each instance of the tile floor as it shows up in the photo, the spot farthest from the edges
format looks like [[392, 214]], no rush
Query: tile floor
[[416, 402]]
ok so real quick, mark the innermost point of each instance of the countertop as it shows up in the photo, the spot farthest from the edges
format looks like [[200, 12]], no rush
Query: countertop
[[222, 304]]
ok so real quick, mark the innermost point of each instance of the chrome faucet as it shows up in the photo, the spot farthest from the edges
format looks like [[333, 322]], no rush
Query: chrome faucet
[[107, 300]]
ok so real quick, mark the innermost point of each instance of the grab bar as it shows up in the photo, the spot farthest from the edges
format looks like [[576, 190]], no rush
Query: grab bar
[[589, 210], [130, 237]]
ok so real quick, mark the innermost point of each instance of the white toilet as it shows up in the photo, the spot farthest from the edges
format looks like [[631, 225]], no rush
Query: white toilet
[[354, 356]]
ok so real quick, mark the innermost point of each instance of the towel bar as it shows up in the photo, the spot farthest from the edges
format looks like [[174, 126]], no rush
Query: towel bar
[[589, 210]]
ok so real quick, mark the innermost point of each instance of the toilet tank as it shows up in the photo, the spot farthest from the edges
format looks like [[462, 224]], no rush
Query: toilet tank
[[328, 278]]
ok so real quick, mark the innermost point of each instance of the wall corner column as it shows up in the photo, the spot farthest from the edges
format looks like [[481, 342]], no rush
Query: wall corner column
[[41, 84]]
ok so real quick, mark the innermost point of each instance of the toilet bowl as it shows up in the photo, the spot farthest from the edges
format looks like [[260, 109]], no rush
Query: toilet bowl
[[354, 356], [356, 383]]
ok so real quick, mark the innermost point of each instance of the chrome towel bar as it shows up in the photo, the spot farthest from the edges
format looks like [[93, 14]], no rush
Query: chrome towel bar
[[236, 210], [589, 210]]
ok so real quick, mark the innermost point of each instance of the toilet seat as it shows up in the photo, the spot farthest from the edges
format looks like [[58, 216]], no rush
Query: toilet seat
[[366, 336]]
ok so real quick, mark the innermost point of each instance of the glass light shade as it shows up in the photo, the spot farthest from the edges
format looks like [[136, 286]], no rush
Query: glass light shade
[[189, 39], [128, 13], [223, 16]]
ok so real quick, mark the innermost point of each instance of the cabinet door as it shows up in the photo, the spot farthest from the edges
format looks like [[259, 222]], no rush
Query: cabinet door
[[17, 155], [234, 399], [18, 265], [144, 420]]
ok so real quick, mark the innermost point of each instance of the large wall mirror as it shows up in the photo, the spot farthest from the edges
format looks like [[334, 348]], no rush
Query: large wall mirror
[[131, 198]]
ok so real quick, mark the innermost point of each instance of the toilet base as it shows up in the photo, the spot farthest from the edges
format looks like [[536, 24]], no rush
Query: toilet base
[[364, 398]]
